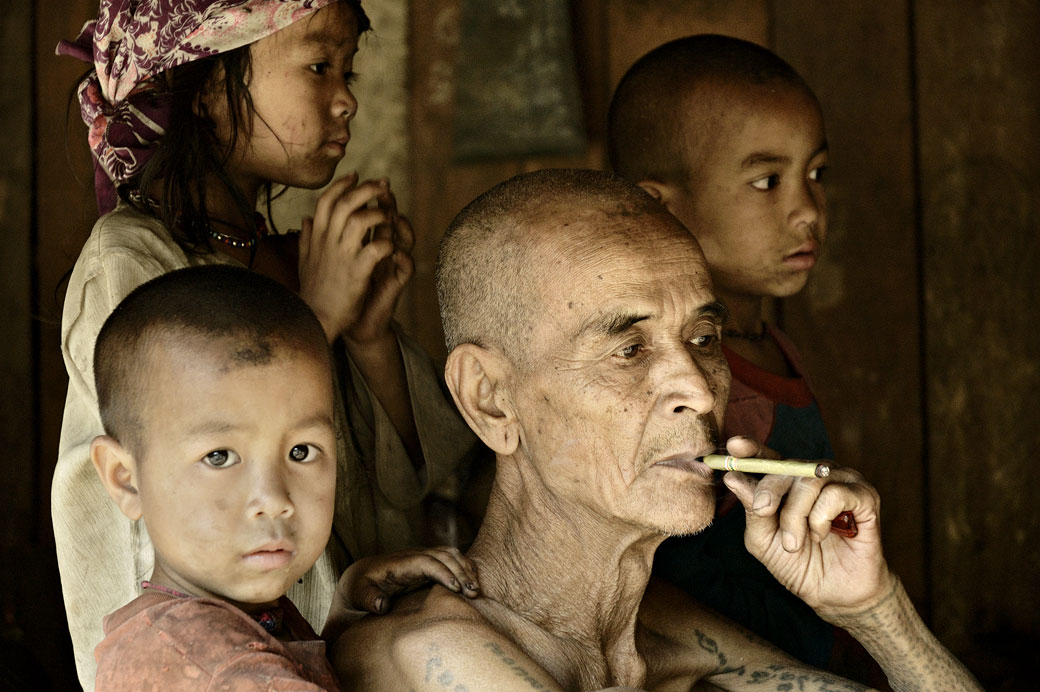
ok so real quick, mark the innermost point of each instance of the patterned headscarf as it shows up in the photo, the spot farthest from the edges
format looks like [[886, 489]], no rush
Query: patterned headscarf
[[131, 42]]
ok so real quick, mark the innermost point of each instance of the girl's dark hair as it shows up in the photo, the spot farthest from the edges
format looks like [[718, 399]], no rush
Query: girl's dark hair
[[190, 154]]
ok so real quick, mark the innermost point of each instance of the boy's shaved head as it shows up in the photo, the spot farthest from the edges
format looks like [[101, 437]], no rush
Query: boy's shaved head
[[658, 108], [488, 271], [241, 314]]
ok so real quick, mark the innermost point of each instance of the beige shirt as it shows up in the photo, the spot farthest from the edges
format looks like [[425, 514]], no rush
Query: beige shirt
[[103, 556]]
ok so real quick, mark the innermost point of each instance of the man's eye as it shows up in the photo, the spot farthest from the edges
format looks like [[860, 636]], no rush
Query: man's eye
[[818, 173], [766, 183], [220, 458], [705, 340], [320, 68], [303, 453], [631, 351]]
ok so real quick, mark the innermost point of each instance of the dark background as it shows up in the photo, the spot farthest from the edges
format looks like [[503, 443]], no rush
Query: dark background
[[919, 325]]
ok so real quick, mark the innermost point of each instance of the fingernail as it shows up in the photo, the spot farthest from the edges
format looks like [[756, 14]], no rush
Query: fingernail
[[788, 539], [380, 604], [455, 584], [763, 499], [472, 586]]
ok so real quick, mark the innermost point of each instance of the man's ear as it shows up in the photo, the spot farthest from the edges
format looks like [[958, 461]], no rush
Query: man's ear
[[117, 469], [476, 378], [665, 193]]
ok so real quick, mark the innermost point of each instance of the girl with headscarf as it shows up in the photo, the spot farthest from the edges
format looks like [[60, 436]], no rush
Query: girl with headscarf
[[195, 109]]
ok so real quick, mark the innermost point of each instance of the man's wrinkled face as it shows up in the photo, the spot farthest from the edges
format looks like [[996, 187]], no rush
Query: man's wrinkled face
[[627, 383]]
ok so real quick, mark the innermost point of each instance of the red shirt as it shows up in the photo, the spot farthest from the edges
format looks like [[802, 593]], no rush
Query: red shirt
[[166, 643]]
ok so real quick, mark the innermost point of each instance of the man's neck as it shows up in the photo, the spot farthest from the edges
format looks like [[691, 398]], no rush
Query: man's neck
[[575, 576]]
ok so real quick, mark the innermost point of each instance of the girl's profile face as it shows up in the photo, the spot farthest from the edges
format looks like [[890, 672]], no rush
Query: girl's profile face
[[300, 87]]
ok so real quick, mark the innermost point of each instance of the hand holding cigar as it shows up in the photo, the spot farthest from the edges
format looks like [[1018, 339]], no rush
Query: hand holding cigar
[[844, 524]]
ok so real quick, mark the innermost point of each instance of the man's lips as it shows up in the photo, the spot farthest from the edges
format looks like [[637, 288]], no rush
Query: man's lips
[[689, 462]]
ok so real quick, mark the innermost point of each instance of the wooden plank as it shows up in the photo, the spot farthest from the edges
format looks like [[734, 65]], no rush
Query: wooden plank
[[857, 323], [64, 213], [637, 26], [65, 208], [17, 406], [980, 167], [442, 186]]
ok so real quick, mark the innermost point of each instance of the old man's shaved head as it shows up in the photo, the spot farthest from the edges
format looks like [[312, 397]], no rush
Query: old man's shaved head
[[491, 264]]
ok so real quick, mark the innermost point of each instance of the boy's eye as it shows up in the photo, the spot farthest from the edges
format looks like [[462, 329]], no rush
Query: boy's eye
[[350, 77], [303, 453], [220, 458], [817, 173], [766, 183], [320, 68]]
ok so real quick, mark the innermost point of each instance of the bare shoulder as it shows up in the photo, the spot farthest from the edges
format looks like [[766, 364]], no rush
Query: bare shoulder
[[685, 642], [433, 639]]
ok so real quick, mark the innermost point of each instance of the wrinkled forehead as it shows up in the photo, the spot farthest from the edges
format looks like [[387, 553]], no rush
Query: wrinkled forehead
[[601, 260]]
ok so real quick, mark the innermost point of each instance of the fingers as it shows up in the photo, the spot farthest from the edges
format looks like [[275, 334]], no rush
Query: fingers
[[372, 597], [799, 503], [350, 218], [396, 572], [743, 446], [329, 197], [463, 573], [794, 508]]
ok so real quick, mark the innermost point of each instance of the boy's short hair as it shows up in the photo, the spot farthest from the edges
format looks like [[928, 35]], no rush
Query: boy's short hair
[[207, 302], [647, 137]]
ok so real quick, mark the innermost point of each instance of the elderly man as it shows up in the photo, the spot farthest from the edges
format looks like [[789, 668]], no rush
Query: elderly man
[[584, 341]]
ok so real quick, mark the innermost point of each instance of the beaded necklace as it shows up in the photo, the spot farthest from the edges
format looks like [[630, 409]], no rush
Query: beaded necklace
[[259, 231]]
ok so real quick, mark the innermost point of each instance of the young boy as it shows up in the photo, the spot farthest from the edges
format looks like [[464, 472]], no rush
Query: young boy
[[731, 140], [215, 391]]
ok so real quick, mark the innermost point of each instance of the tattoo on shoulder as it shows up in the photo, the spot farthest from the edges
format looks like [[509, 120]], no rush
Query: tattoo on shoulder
[[439, 673], [777, 676], [516, 668]]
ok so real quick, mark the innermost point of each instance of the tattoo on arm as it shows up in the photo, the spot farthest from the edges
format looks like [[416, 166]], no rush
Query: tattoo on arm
[[517, 669], [437, 672], [777, 676]]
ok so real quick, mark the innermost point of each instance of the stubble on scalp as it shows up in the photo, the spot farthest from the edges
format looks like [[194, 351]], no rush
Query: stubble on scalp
[[493, 263]]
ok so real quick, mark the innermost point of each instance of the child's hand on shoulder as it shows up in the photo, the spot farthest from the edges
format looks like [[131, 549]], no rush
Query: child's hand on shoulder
[[355, 259], [370, 583]]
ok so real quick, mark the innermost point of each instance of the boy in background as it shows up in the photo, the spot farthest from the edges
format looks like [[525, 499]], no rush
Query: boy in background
[[216, 393], [731, 140]]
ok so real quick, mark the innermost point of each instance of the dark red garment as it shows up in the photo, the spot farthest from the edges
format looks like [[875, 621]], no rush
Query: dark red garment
[[162, 642]]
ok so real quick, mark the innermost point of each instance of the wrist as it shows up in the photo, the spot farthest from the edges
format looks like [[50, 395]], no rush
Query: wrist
[[889, 598], [372, 347]]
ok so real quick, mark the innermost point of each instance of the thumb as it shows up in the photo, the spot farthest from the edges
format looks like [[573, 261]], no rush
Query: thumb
[[371, 597]]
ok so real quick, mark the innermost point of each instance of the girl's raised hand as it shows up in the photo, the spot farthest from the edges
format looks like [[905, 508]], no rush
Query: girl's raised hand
[[388, 278], [354, 259]]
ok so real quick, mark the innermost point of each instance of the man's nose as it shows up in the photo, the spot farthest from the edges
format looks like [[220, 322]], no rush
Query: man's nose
[[269, 492], [685, 385]]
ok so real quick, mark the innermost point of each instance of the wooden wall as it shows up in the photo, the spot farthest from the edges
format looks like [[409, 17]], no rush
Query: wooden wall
[[918, 325]]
